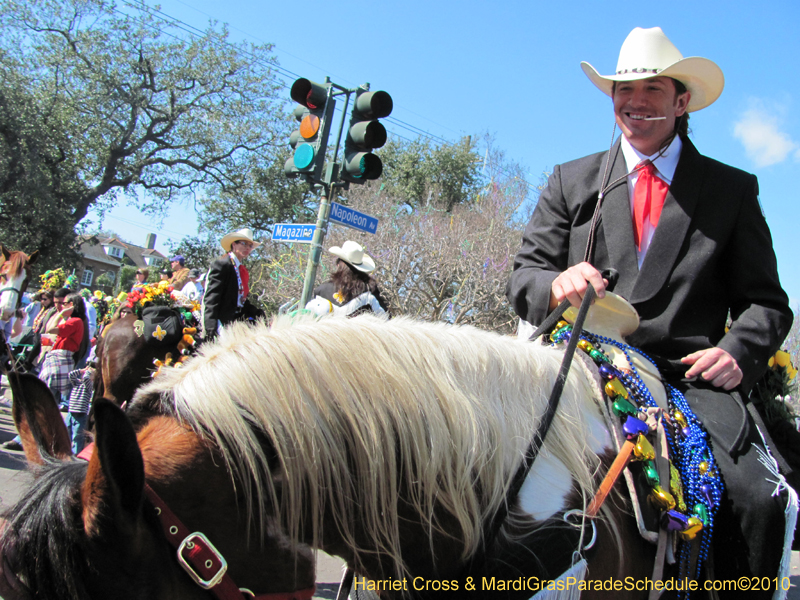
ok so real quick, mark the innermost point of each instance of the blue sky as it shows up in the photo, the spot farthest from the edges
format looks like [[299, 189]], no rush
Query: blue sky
[[513, 70]]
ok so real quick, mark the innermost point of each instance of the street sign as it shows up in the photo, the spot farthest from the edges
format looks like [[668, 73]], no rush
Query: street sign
[[293, 232], [353, 218]]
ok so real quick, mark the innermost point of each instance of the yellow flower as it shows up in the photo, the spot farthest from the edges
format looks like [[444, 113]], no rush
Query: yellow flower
[[783, 358]]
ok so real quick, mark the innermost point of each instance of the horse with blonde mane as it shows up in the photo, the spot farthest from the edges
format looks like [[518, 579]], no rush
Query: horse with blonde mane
[[391, 444]]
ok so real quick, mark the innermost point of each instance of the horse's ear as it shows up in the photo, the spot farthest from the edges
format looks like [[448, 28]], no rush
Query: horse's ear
[[38, 419], [6, 254], [33, 257], [119, 457]]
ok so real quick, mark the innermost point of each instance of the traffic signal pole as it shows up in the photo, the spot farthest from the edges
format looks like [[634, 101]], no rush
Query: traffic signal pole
[[358, 164], [329, 186]]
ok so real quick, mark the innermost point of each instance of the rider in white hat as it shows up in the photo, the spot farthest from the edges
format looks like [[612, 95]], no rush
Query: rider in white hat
[[690, 244], [351, 289]]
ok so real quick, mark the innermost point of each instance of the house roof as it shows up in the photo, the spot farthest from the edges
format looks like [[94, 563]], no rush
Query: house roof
[[96, 251]]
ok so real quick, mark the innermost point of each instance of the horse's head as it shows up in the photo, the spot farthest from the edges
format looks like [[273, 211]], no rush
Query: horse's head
[[91, 530], [15, 271]]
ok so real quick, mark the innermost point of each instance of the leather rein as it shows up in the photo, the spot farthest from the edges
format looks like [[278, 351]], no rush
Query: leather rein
[[198, 556]]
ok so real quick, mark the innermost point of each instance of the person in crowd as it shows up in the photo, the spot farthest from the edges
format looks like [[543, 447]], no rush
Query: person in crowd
[[194, 287], [141, 279], [122, 311], [228, 285], [80, 398], [51, 319], [71, 332], [165, 274], [690, 243], [91, 318], [17, 322], [180, 272], [47, 310], [31, 307], [352, 289]]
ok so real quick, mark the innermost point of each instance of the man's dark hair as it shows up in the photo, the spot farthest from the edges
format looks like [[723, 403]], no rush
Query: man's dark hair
[[62, 293], [682, 122]]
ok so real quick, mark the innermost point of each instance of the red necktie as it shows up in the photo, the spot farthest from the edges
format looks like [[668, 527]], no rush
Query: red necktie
[[245, 277], [648, 200]]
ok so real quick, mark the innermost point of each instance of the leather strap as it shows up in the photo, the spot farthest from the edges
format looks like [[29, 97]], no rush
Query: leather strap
[[198, 556], [664, 536], [614, 471]]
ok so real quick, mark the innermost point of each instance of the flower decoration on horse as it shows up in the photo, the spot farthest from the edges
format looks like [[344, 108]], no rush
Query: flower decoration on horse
[[173, 332], [773, 393], [151, 294]]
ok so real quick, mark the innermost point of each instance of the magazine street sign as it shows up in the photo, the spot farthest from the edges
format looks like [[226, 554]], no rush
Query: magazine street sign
[[293, 232], [352, 218]]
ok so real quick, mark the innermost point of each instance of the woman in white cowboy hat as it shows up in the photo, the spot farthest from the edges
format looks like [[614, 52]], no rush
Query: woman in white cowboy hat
[[228, 285], [351, 290], [689, 242]]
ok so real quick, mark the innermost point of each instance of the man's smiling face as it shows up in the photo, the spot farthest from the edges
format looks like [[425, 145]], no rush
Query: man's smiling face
[[637, 106]]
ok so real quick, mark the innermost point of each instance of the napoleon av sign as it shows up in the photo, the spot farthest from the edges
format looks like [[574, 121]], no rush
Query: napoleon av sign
[[353, 218], [293, 232]]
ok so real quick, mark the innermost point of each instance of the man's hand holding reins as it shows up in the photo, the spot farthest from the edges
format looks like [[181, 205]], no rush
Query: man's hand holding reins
[[715, 366], [572, 284]]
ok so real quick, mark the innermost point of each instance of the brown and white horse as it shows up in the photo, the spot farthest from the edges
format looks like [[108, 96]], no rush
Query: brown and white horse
[[15, 273], [390, 444]]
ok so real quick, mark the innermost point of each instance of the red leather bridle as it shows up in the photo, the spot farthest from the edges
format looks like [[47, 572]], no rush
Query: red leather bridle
[[200, 559]]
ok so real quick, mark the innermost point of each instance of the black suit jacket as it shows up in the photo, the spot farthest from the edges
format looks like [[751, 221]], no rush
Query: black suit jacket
[[220, 303], [710, 254]]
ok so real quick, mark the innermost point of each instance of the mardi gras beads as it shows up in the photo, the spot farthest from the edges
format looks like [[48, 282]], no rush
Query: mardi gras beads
[[694, 479]]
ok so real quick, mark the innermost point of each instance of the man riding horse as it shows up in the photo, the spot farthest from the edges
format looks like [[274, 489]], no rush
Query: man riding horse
[[689, 241]]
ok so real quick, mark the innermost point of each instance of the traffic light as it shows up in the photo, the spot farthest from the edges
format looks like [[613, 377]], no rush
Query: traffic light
[[310, 141], [364, 134]]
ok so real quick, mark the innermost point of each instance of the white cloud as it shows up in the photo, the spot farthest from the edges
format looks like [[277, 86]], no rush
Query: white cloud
[[759, 130]]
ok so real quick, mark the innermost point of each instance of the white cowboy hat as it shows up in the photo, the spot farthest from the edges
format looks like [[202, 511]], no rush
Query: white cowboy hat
[[236, 236], [649, 53], [353, 254]]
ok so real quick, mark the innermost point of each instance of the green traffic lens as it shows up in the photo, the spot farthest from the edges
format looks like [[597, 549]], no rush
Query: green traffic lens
[[303, 156]]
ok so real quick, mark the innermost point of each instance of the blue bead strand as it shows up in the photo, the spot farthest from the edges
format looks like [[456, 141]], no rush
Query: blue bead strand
[[688, 446]]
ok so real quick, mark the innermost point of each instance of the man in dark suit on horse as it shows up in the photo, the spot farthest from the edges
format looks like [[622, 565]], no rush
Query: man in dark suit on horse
[[228, 285], [690, 243]]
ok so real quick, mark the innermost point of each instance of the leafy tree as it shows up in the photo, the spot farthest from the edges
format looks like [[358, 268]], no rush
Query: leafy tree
[[96, 101], [269, 198], [105, 283], [197, 251], [421, 173], [432, 263], [37, 176]]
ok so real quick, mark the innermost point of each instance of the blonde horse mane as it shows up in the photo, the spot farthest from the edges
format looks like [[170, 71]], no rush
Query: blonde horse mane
[[355, 407]]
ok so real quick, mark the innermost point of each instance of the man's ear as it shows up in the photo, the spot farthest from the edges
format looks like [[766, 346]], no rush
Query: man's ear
[[682, 103]]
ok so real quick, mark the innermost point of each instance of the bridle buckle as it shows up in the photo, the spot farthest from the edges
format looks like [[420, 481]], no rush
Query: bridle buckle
[[188, 543]]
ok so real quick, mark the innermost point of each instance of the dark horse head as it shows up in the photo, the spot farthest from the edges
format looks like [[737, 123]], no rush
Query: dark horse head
[[86, 529]]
